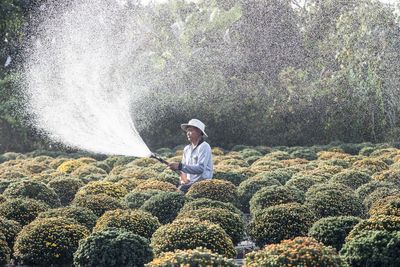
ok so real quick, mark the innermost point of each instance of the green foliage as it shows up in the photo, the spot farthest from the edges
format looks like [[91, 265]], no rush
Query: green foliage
[[388, 223], [334, 200], [280, 222], [153, 184], [373, 248], [351, 178], [102, 187], [201, 203], [10, 230], [99, 203], [249, 187], [35, 190], [165, 205], [366, 189], [113, 248], [304, 182], [22, 210], [83, 216], [135, 199], [304, 153], [332, 231], [214, 189], [234, 178], [232, 223], [190, 234], [274, 195], [301, 251], [379, 194], [191, 257], [5, 251], [389, 205], [49, 241], [136, 221], [65, 188]]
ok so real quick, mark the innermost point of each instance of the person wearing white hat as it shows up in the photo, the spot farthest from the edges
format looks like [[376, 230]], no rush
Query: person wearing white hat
[[196, 162]]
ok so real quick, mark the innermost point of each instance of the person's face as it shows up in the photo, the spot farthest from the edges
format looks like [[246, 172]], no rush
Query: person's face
[[192, 133]]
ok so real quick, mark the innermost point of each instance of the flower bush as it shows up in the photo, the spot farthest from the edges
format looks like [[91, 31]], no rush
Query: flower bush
[[351, 178], [66, 188], [135, 221], [102, 187], [165, 205], [10, 230], [169, 176], [113, 248], [81, 215], [88, 169], [249, 187], [70, 166], [232, 223], [190, 234], [214, 189], [304, 153], [135, 199], [333, 200], [35, 190], [274, 195], [280, 222], [366, 189], [389, 205], [304, 182], [200, 203], [22, 210], [379, 194], [388, 223], [191, 257], [234, 178], [370, 165], [49, 241], [332, 231], [99, 203], [390, 175], [301, 251], [154, 184], [5, 251], [373, 248]]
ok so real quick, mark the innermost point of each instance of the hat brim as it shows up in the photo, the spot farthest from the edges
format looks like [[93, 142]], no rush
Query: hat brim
[[185, 125]]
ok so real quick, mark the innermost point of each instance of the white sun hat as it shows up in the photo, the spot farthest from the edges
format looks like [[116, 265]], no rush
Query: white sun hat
[[195, 123]]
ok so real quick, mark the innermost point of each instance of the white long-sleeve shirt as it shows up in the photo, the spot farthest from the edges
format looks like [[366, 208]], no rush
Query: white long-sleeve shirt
[[197, 162]]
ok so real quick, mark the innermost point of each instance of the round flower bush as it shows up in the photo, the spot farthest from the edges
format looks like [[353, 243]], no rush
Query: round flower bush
[[351, 178], [113, 248], [389, 205], [274, 195], [34, 190], [388, 223], [370, 165], [102, 187], [334, 200], [214, 189], [233, 177], [379, 194], [70, 166], [190, 234], [304, 182], [81, 215], [22, 210], [373, 248], [249, 187], [304, 153], [49, 241], [191, 257], [10, 230], [366, 189], [97, 203], [5, 251], [170, 177], [391, 176], [280, 222], [301, 251], [153, 184], [88, 169], [66, 188], [135, 221], [232, 223], [200, 203], [135, 199], [332, 231], [165, 205]]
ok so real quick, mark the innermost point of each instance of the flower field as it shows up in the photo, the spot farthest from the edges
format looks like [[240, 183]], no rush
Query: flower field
[[333, 205]]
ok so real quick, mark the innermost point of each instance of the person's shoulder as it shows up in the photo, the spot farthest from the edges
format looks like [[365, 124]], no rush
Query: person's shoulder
[[186, 147], [206, 145]]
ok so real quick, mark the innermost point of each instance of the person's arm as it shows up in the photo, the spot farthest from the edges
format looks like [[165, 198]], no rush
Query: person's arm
[[204, 157]]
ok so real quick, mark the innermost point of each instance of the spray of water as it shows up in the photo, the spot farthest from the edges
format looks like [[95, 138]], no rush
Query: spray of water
[[81, 77]]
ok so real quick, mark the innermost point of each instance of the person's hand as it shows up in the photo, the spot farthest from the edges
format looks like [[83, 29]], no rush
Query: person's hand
[[173, 166]]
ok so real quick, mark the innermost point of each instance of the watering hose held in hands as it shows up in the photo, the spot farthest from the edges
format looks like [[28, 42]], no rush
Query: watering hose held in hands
[[154, 156]]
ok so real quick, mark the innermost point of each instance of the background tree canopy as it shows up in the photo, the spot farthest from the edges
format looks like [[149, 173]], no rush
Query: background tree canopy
[[270, 72]]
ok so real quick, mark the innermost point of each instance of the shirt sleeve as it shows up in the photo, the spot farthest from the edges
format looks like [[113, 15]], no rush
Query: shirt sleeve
[[204, 158]]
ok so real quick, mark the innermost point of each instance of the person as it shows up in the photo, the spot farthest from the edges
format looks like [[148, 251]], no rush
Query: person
[[196, 162]]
